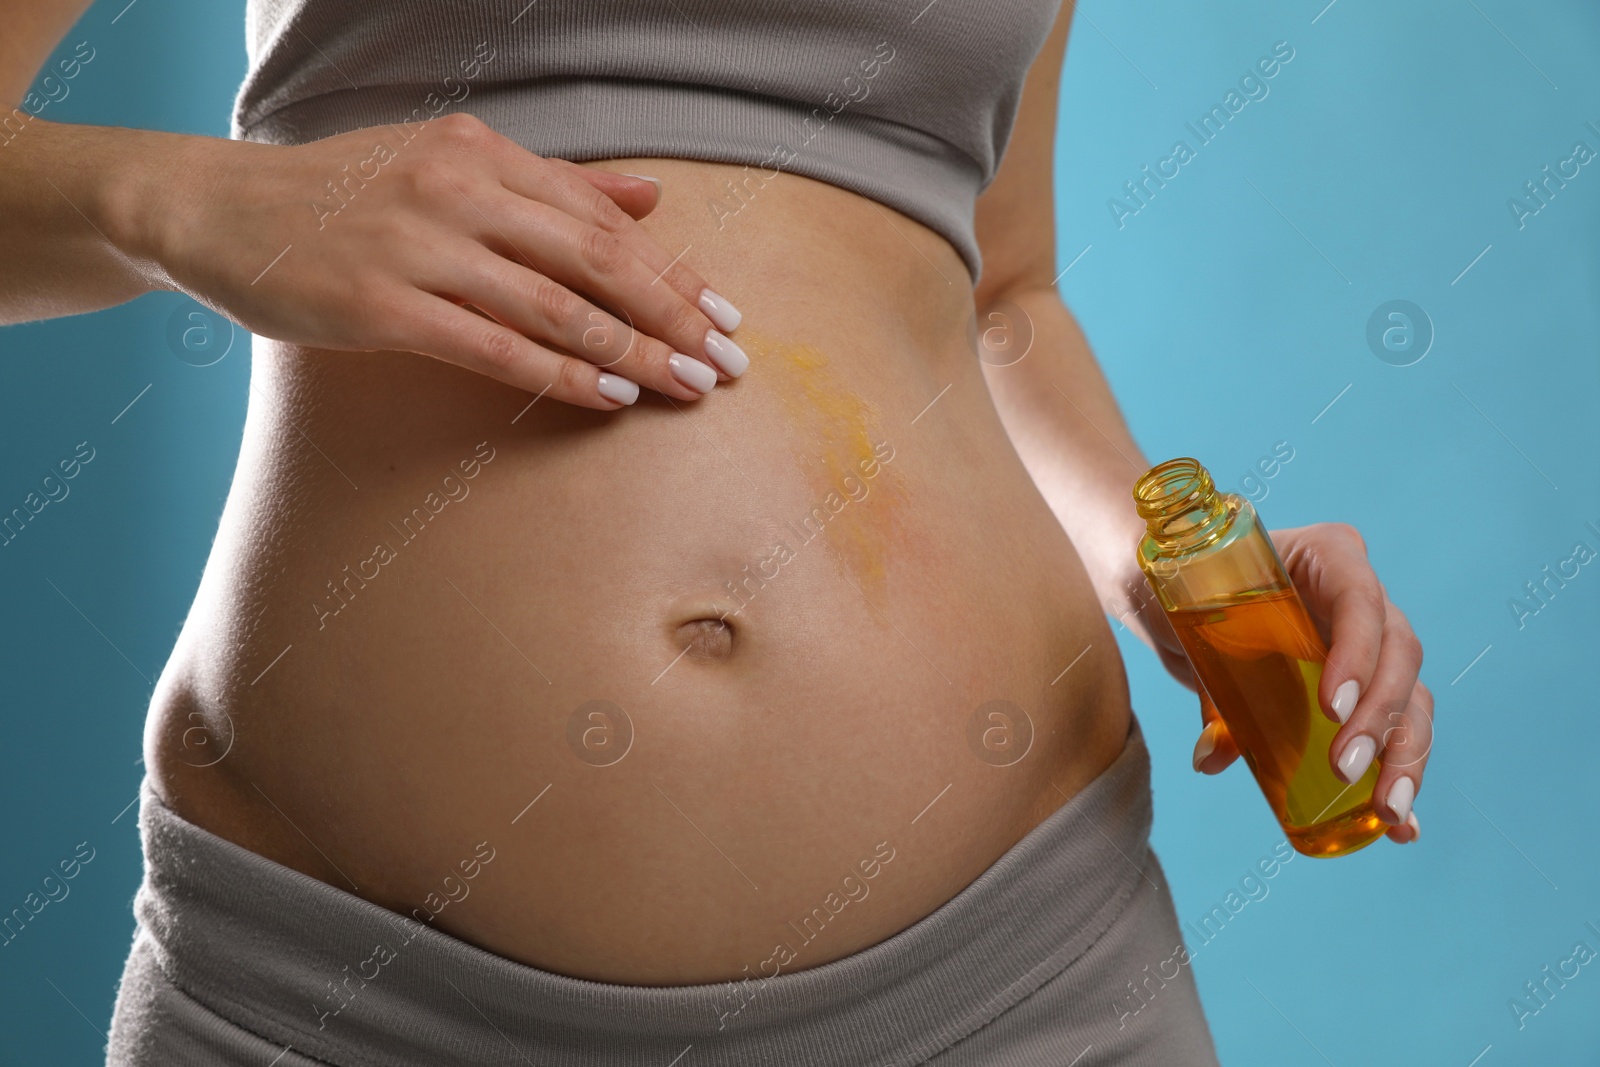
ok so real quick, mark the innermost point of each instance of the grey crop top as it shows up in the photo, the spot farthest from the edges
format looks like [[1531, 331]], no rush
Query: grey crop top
[[907, 102]]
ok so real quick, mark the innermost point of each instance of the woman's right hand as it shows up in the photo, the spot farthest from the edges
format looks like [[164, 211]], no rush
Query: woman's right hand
[[343, 244]]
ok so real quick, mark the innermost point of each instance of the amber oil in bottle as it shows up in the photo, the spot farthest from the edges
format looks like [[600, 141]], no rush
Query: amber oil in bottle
[[1255, 651]]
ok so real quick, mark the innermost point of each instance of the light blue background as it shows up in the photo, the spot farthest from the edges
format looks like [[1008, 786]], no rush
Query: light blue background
[[1228, 313]]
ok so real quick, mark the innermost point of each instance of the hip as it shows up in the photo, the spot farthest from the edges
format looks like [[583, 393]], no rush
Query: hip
[[240, 960]]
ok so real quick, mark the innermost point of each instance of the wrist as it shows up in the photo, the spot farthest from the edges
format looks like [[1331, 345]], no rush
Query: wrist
[[1105, 529], [1123, 591], [143, 195]]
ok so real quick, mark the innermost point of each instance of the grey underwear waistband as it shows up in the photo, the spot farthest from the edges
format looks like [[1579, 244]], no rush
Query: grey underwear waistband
[[236, 955]]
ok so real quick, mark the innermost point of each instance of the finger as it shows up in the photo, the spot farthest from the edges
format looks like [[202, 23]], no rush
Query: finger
[[558, 183], [546, 311], [601, 266], [433, 326], [1215, 749], [633, 193], [1344, 583], [552, 181], [1406, 832], [1384, 705], [1404, 748]]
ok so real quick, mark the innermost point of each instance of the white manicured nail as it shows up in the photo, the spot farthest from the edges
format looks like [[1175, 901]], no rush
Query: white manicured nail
[[646, 178], [692, 373], [1204, 746], [1344, 699], [1416, 828], [719, 311], [618, 390], [1356, 759], [729, 357], [1401, 794]]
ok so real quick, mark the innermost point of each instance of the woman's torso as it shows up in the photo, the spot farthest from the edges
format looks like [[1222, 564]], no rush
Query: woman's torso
[[403, 669]]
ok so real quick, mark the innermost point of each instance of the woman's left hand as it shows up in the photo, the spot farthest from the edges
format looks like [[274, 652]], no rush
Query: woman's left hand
[[1370, 681]]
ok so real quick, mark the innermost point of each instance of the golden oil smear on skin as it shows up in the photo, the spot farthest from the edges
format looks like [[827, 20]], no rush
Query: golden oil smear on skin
[[856, 498]]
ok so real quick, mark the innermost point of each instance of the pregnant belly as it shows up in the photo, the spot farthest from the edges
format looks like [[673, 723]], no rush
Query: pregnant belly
[[670, 695]]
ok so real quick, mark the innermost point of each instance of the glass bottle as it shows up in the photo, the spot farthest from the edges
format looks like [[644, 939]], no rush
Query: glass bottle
[[1255, 652]]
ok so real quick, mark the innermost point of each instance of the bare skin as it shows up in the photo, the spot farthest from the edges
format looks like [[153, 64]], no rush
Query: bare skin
[[780, 733], [400, 666]]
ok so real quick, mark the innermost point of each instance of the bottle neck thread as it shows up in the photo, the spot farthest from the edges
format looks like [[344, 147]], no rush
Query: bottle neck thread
[[1180, 504]]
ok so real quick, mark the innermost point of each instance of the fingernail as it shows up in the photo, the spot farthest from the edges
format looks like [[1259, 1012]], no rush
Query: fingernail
[[1416, 828], [729, 357], [1204, 746], [692, 373], [719, 311], [1401, 794], [1344, 699], [618, 390], [1356, 759], [646, 178]]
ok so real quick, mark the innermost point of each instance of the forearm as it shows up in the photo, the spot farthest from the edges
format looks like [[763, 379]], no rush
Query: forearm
[[74, 202], [1066, 425]]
